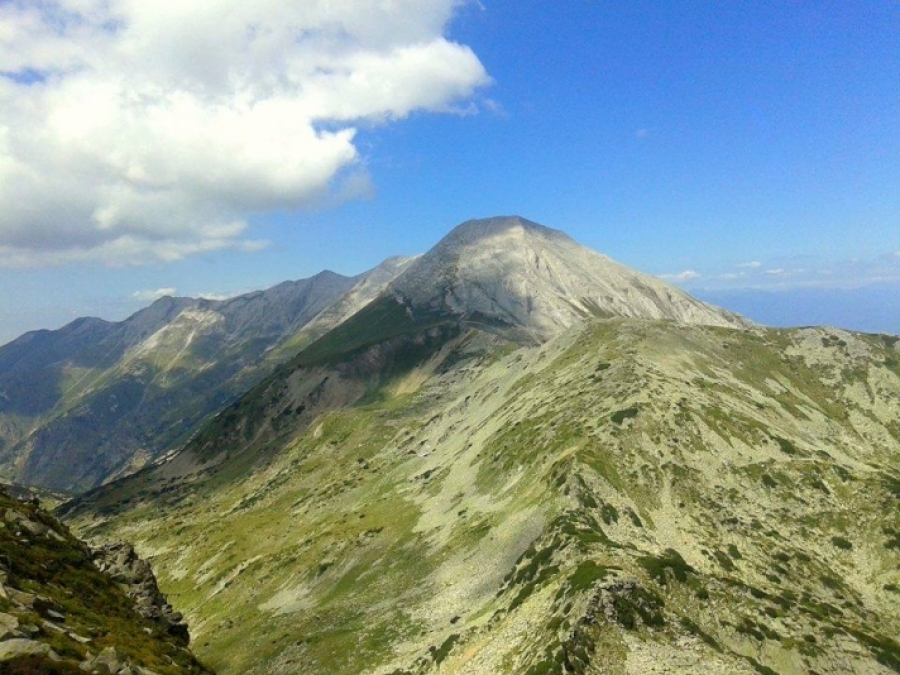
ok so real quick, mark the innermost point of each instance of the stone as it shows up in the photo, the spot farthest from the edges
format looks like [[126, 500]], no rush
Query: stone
[[53, 627], [10, 649], [53, 615], [29, 629], [110, 660], [44, 605], [9, 626], [21, 597], [146, 671], [33, 527], [79, 638], [120, 561]]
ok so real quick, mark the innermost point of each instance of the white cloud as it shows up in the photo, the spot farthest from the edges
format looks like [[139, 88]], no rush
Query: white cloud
[[753, 265], [132, 131], [687, 275], [150, 296]]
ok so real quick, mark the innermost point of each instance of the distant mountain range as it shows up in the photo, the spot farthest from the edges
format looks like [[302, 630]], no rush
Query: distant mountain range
[[97, 399], [521, 457]]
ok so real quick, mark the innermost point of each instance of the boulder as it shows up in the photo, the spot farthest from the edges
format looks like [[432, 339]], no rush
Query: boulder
[[108, 662], [21, 598], [10, 649], [9, 626]]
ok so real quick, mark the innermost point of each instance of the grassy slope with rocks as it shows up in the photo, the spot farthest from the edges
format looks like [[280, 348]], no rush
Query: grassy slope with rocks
[[60, 614], [631, 497]]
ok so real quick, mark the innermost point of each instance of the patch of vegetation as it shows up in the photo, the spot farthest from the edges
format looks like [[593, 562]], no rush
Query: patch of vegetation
[[694, 629], [583, 529], [786, 446], [440, 653], [768, 481], [892, 485], [609, 514], [758, 631], [39, 665], [724, 561], [885, 649], [759, 667], [640, 603], [841, 543], [621, 415], [636, 521], [528, 576], [587, 573], [670, 563]]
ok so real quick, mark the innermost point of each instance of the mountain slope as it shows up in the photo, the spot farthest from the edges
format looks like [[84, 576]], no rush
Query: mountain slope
[[513, 278], [633, 496], [60, 614], [97, 399]]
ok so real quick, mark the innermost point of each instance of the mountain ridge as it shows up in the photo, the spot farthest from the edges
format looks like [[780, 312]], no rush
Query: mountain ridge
[[106, 397], [448, 482]]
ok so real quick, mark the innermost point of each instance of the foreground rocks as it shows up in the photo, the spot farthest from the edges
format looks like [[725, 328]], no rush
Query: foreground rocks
[[135, 576], [67, 609]]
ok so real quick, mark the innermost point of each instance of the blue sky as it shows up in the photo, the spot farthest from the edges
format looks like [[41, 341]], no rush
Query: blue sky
[[738, 149]]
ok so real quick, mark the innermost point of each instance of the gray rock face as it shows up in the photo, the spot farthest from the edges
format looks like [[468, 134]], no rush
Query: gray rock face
[[135, 576], [515, 273]]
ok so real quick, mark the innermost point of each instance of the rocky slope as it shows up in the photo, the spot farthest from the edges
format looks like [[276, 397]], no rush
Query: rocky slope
[[511, 272], [633, 496], [60, 614], [95, 399]]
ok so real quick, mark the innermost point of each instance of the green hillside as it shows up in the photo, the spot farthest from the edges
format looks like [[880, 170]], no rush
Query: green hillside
[[631, 497]]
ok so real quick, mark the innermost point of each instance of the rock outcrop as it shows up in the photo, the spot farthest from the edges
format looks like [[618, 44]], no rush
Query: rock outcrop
[[135, 576], [59, 613]]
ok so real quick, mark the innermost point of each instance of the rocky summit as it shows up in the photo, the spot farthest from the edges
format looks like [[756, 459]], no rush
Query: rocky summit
[[521, 457], [511, 272]]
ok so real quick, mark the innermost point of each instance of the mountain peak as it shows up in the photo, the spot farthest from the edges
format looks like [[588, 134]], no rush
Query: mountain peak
[[512, 273], [483, 228]]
